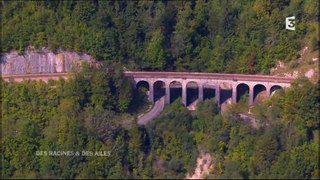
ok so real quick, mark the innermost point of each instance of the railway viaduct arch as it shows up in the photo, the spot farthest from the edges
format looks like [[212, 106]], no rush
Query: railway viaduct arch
[[232, 85], [235, 84]]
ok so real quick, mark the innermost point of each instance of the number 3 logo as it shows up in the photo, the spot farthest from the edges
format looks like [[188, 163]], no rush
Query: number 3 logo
[[290, 23]]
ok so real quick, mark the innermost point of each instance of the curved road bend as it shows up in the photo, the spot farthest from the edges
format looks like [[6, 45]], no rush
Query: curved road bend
[[154, 112]]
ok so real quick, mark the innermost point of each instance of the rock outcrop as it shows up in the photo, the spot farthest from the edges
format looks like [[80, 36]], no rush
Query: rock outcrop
[[204, 162], [40, 61]]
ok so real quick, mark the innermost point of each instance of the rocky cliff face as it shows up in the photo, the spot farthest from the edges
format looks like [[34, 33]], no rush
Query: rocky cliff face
[[40, 61]]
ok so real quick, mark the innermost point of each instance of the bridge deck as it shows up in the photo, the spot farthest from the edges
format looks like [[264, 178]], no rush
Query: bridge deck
[[178, 75], [218, 76]]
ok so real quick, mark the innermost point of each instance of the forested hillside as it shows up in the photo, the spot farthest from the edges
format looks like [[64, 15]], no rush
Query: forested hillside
[[214, 36], [94, 111]]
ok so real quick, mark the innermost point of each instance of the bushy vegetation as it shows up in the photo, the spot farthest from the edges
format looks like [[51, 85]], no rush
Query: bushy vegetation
[[82, 113], [96, 109], [85, 113], [214, 36], [285, 145]]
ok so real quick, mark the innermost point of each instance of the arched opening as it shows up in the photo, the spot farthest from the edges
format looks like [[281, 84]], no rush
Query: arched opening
[[225, 93], [209, 91], [259, 93], [143, 88], [274, 89], [175, 90], [141, 94], [192, 92], [242, 91], [143, 85], [159, 89]]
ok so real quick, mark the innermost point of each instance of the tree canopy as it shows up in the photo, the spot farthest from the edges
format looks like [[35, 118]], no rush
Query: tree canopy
[[214, 36], [93, 112]]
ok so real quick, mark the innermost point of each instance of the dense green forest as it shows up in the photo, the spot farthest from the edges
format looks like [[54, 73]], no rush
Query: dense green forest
[[96, 109], [214, 36]]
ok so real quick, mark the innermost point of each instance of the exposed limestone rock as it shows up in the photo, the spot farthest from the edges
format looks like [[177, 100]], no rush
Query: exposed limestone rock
[[204, 162], [304, 50], [40, 61], [293, 74], [309, 73], [279, 65]]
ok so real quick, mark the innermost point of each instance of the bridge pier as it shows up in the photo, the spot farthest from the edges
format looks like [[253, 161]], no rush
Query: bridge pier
[[234, 94], [251, 95], [200, 96], [167, 94], [268, 89], [217, 95], [151, 92], [184, 94]]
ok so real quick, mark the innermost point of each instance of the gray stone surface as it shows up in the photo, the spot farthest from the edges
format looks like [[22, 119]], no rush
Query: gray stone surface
[[40, 61]]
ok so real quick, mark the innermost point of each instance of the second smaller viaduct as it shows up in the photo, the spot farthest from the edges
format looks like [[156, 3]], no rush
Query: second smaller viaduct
[[234, 85]]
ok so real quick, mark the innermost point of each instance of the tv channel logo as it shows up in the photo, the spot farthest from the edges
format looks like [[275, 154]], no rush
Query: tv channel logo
[[290, 23]]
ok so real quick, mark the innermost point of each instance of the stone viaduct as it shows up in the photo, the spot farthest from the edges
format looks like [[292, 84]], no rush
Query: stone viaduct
[[233, 85], [223, 86]]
